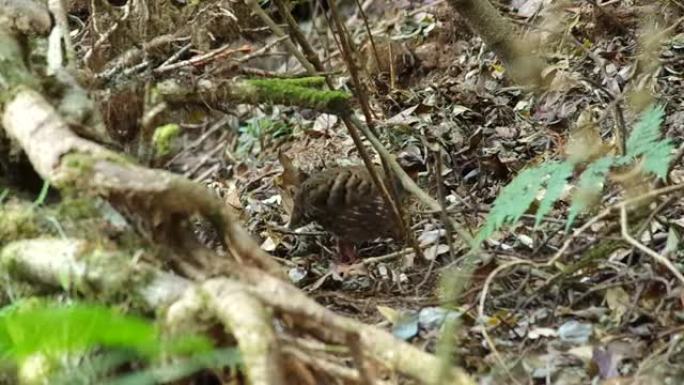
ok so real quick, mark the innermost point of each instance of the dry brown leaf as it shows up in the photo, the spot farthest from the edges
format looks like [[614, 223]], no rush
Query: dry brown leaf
[[634, 181], [286, 194], [291, 176], [618, 301], [435, 250], [269, 244], [585, 143], [288, 181], [324, 122], [232, 196]]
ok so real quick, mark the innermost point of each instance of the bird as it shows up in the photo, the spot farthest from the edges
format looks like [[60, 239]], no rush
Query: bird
[[346, 203]]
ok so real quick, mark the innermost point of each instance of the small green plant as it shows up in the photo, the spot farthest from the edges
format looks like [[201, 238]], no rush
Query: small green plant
[[255, 130], [43, 194], [164, 137], [45, 328], [644, 145], [4, 193], [37, 335]]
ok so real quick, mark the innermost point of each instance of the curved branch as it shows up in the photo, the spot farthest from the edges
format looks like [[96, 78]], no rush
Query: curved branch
[[378, 344], [247, 320], [78, 264]]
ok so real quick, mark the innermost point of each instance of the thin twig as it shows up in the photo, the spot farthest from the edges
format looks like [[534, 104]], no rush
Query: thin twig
[[177, 55], [370, 34], [261, 50], [386, 189], [129, 57], [409, 184], [109, 32], [202, 59], [444, 217], [256, 8], [659, 258], [606, 212], [481, 315], [297, 35], [622, 206]]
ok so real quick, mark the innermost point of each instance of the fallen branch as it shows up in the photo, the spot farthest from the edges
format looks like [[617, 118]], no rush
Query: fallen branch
[[377, 344], [247, 319], [288, 92], [80, 265], [68, 161]]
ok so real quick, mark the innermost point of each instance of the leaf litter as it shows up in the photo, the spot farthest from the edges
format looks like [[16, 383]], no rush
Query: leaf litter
[[609, 316]]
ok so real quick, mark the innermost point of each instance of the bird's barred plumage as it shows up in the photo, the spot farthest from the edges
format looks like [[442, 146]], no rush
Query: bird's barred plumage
[[345, 202]]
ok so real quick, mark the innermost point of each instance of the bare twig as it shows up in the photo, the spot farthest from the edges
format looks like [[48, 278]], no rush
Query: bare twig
[[297, 35], [408, 183], [202, 59], [659, 258], [176, 55], [261, 50], [481, 314], [256, 8], [443, 214], [622, 206], [386, 188], [133, 54], [108, 33], [370, 36], [650, 195]]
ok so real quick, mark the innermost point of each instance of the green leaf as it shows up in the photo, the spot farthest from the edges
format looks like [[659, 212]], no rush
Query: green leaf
[[61, 328], [164, 137], [657, 159], [590, 182], [515, 199], [645, 141], [51, 328], [43, 194], [554, 189]]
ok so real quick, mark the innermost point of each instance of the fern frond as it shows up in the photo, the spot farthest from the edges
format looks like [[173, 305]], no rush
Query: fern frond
[[590, 182], [554, 189], [657, 159], [515, 199], [644, 144], [645, 141]]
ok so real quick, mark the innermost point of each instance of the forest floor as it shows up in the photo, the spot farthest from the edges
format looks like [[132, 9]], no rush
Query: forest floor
[[602, 311], [555, 305]]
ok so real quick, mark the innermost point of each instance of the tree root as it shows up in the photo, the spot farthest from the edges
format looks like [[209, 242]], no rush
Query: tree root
[[240, 299]]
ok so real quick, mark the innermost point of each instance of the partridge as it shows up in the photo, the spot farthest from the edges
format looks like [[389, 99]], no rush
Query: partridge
[[346, 203]]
